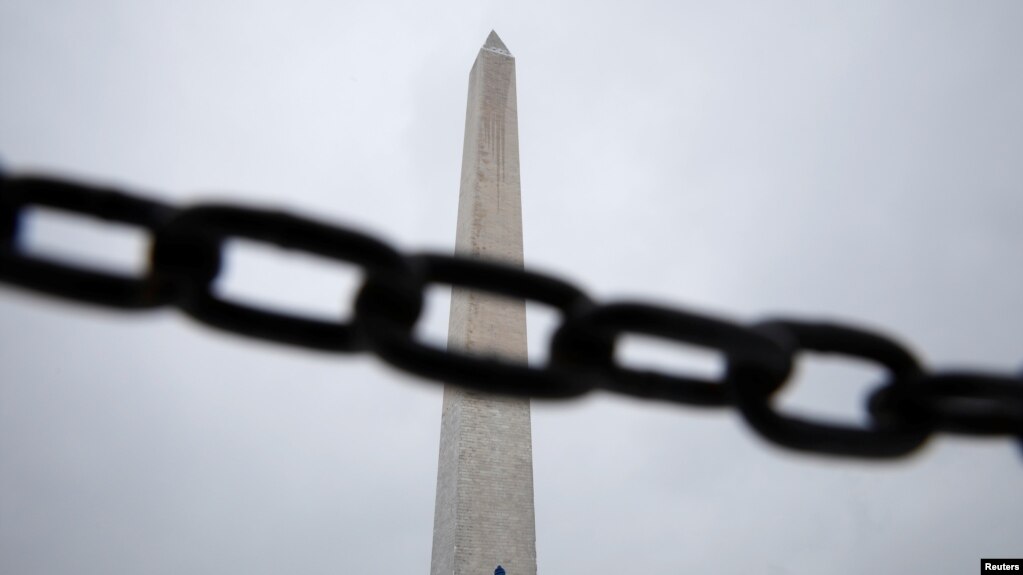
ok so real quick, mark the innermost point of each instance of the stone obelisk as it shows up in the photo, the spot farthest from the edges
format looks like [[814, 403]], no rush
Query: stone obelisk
[[484, 511]]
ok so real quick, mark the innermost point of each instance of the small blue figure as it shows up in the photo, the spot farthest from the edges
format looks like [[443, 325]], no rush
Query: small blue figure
[[499, 570]]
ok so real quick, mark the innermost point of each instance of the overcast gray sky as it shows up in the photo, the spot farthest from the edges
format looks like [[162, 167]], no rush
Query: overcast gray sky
[[825, 160]]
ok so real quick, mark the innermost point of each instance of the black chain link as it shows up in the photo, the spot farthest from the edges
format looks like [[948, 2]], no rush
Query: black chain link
[[903, 411]]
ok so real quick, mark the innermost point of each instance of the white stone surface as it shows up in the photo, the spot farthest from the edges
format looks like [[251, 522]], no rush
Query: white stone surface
[[484, 511]]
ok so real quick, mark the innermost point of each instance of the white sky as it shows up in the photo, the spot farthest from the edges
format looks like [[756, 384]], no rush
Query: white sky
[[825, 160]]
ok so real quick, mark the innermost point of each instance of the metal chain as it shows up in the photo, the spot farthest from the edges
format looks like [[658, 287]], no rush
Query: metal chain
[[908, 407]]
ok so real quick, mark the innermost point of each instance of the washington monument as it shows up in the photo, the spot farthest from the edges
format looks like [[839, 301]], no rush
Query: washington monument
[[484, 511]]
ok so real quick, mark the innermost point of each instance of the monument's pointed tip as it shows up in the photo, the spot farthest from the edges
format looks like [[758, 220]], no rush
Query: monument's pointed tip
[[494, 43]]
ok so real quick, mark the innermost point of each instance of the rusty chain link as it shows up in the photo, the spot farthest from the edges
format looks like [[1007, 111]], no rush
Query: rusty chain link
[[904, 410]]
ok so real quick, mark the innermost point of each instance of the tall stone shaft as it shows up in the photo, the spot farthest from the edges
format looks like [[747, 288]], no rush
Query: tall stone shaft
[[484, 510]]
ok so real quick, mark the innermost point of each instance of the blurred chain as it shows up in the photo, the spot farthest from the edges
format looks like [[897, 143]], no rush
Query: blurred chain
[[905, 409]]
